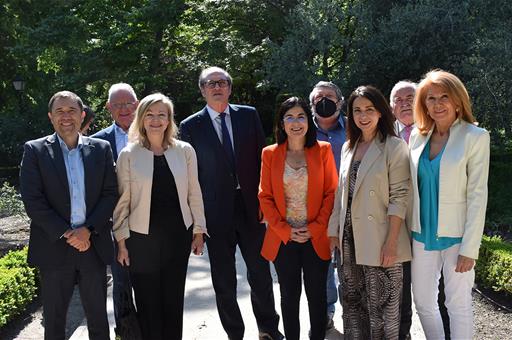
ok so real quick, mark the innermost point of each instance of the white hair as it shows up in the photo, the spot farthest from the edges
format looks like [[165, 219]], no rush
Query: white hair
[[121, 86], [402, 84]]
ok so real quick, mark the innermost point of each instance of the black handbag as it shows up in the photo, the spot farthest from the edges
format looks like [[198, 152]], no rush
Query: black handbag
[[128, 327]]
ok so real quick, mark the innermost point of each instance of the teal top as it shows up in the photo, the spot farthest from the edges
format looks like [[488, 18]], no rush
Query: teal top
[[428, 187]]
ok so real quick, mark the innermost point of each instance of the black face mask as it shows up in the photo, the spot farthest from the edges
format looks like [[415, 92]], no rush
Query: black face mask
[[325, 107]]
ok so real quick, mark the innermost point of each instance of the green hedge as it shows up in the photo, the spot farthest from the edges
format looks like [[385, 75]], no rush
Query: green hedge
[[494, 266], [17, 284]]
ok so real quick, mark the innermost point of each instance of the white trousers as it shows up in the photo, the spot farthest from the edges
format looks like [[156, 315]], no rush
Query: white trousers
[[426, 269]]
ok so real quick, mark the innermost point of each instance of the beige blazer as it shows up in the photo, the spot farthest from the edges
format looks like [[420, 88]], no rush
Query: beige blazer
[[381, 190], [463, 174], [135, 178]]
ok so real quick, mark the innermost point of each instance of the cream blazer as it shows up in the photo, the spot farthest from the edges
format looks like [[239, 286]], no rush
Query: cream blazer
[[381, 190], [135, 178], [463, 174]]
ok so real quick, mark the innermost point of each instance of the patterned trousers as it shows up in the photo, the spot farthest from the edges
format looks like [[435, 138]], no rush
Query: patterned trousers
[[371, 297]]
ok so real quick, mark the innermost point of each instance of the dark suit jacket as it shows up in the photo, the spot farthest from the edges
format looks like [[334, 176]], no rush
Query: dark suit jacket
[[108, 134], [213, 165], [45, 193]]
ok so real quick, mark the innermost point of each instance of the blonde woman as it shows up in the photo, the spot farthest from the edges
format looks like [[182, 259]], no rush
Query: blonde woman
[[159, 218], [449, 169]]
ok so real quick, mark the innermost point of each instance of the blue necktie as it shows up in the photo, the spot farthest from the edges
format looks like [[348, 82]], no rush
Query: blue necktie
[[226, 142]]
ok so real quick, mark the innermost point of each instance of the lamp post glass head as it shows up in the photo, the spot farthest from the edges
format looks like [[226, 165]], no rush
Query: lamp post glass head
[[18, 83]]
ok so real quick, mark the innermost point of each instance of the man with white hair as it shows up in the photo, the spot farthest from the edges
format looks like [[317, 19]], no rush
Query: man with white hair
[[401, 100], [122, 103]]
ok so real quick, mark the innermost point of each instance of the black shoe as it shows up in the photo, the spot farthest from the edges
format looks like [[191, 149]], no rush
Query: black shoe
[[329, 325], [269, 336]]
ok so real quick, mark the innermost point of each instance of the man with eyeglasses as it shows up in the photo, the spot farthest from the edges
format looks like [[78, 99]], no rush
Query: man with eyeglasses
[[122, 103], [326, 103], [228, 140]]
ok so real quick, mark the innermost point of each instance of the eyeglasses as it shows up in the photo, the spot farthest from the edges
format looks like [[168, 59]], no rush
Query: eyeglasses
[[161, 116], [291, 119], [129, 106], [223, 83]]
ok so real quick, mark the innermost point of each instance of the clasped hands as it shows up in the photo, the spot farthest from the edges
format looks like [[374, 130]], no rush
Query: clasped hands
[[78, 238], [300, 235]]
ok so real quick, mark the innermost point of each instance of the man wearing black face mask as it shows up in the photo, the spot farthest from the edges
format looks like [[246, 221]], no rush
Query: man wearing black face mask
[[326, 103]]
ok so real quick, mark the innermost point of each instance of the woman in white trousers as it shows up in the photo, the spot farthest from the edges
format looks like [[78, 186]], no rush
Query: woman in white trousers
[[449, 168]]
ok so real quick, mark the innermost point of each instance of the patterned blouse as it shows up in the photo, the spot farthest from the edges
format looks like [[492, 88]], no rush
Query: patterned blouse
[[295, 184]]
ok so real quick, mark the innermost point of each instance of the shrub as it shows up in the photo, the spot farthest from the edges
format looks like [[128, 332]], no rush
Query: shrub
[[494, 266], [10, 201], [17, 284], [499, 214]]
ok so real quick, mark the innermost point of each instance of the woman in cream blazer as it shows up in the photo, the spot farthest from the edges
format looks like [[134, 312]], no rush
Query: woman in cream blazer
[[159, 218], [449, 167], [298, 181], [367, 222]]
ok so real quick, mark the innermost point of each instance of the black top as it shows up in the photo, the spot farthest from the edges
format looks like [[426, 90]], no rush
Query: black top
[[150, 252]]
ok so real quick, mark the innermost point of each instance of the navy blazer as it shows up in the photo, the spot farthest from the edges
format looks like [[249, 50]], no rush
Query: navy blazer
[[213, 166], [45, 193], [108, 134]]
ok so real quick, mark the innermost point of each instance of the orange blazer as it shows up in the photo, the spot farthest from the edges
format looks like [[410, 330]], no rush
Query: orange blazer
[[322, 183]]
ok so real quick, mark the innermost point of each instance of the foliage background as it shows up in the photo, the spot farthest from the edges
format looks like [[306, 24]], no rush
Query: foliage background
[[271, 48]]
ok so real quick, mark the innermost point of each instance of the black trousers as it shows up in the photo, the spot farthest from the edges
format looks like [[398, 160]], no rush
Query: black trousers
[[248, 235], [294, 260], [57, 285], [406, 308], [159, 294]]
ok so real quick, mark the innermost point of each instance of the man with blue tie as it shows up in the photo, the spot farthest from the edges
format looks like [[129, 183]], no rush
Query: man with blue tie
[[69, 189], [122, 103], [228, 140]]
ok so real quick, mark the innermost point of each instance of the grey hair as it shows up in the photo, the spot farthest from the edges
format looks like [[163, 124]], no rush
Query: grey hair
[[214, 69], [329, 85], [402, 84], [121, 86]]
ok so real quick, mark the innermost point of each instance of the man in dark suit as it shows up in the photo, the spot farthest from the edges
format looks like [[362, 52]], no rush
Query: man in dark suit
[[69, 189], [122, 103], [228, 140]]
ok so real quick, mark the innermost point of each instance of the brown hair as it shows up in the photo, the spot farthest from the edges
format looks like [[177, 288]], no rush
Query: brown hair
[[65, 94], [385, 124], [137, 132], [457, 93]]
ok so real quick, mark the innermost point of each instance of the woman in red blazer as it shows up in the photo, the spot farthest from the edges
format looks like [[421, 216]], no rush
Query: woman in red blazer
[[298, 181]]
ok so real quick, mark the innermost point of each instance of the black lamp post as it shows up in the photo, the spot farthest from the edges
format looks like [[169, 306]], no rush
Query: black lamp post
[[19, 86]]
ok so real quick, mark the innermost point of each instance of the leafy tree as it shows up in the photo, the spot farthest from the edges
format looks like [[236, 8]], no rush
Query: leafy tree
[[318, 45]]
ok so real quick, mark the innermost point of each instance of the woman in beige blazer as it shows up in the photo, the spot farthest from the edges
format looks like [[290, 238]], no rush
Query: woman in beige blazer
[[159, 218], [367, 222], [449, 167]]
